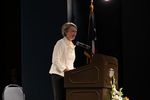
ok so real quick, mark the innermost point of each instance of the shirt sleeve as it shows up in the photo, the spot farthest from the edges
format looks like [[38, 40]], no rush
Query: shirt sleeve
[[57, 57]]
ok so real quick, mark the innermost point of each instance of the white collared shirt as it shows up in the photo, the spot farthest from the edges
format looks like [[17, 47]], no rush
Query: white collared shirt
[[63, 56]]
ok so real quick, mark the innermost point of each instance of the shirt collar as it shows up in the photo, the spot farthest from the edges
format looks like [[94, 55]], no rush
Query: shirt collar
[[69, 43]]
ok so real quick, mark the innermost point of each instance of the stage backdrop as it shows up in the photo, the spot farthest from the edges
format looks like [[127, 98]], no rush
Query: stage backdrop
[[41, 27], [41, 22]]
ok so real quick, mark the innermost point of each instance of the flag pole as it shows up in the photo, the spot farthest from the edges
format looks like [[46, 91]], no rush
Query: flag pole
[[89, 56], [91, 7], [91, 33], [90, 23]]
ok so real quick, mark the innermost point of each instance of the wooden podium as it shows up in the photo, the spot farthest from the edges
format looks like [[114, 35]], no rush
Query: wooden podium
[[92, 81]]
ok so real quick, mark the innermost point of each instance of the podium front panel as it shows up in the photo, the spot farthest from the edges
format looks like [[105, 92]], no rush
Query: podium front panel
[[92, 81], [88, 94]]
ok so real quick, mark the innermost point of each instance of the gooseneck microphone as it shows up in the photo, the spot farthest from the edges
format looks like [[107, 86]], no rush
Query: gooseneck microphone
[[85, 46]]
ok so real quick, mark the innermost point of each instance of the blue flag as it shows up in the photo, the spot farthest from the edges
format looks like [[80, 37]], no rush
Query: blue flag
[[92, 37]]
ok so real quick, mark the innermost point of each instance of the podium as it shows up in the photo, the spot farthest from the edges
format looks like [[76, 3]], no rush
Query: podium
[[92, 81]]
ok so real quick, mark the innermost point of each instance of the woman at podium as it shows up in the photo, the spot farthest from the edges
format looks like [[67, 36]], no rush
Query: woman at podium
[[63, 58]]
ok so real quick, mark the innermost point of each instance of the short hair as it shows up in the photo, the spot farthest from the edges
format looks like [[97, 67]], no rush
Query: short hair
[[66, 26]]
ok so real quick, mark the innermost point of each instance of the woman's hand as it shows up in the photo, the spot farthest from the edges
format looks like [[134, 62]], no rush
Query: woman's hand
[[67, 69]]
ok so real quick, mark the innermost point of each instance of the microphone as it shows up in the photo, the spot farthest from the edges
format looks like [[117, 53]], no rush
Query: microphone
[[85, 46]]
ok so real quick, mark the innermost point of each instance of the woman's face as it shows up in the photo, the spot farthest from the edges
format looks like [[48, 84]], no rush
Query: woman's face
[[71, 33]]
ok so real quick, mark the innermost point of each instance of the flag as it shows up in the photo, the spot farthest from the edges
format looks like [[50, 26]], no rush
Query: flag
[[92, 29]]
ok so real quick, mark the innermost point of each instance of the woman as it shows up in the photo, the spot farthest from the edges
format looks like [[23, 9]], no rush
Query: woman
[[63, 58]]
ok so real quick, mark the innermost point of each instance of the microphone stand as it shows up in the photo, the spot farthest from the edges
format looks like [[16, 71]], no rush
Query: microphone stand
[[89, 56]]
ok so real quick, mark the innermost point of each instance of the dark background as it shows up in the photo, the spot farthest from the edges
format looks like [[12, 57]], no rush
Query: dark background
[[32, 27]]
